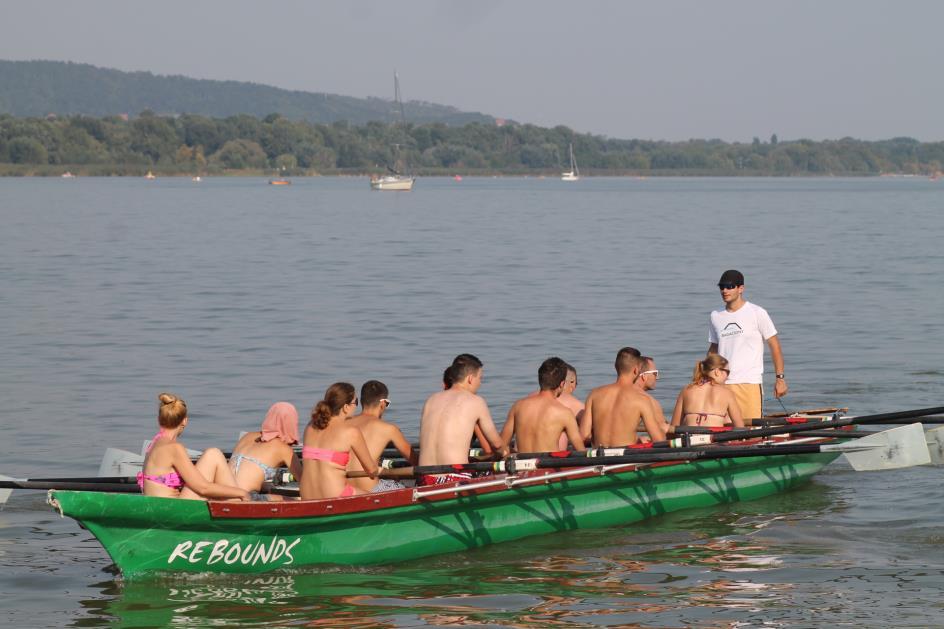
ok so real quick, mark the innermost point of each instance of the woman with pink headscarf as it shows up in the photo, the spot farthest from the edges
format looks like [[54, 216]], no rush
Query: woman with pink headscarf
[[258, 455]]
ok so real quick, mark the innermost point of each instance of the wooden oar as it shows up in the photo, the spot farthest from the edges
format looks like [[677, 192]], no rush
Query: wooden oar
[[780, 421], [753, 433], [77, 485], [898, 447]]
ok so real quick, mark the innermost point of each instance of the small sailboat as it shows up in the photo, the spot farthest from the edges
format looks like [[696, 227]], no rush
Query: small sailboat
[[396, 180], [150, 175], [574, 173]]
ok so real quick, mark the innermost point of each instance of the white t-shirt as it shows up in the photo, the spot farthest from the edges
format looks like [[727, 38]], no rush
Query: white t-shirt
[[740, 336]]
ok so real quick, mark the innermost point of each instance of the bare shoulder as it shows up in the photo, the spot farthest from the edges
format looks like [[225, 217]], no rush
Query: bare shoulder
[[561, 412], [352, 432]]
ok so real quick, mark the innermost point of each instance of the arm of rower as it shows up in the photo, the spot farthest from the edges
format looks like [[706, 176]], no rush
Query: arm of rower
[[654, 427], [508, 430], [197, 483], [295, 466], [657, 410], [491, 433], [359, 445], [572, 430], [776, 355], [677, 411], [402, 445], [483, 442], [586, 422]]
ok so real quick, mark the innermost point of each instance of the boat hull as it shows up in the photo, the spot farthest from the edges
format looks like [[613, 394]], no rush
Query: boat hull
[[392, 183], [145, 534]]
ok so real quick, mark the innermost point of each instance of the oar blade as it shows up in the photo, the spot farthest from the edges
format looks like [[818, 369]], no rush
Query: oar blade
[[935, 441], [120, 463], [5, 493], [891, 449]]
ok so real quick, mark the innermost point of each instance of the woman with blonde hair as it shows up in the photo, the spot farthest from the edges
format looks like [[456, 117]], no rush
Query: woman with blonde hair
[[705, 401], [329, 441], [258, 455], [168, 471]]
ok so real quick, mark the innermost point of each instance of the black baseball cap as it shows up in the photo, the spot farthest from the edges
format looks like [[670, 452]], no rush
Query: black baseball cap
[[731, 277]]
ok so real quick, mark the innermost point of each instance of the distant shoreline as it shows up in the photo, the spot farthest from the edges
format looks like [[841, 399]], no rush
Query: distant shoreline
[[24, 171]]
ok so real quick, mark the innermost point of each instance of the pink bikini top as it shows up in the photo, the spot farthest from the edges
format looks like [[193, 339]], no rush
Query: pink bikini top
[[332, 456], [171, 479]]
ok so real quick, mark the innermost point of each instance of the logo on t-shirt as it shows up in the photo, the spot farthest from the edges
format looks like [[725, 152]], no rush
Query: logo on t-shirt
[[732, 329]]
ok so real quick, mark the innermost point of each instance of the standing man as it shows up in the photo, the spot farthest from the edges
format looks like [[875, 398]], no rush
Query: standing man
[[738, 333]]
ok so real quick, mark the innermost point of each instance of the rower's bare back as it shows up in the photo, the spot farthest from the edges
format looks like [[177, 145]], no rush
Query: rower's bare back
[[539, 423], [616, 413], [446, 428]]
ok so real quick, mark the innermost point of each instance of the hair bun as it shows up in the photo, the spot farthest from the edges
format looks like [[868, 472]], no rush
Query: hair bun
[[167, 398]]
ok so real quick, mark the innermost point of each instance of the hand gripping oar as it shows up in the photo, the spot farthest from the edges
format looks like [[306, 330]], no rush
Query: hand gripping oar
[[738, 435]]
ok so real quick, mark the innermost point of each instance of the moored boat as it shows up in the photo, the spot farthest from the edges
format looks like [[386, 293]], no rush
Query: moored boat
[[147, 534], [392, 182]]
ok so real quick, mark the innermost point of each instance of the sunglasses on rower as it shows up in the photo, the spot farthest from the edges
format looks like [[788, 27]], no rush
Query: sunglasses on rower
[[728, 286], [654, 372]]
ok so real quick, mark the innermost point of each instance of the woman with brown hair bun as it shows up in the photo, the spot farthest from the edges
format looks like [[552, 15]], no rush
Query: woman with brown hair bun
[[328, 445], [705, 401], [168, 471]]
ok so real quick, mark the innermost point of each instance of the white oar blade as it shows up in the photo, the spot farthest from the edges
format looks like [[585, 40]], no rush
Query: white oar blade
[[935, 441], [891, 449], [120, 463], [193, 454], [5, 493]]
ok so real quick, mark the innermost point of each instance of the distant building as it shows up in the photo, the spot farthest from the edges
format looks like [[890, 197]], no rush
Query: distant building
[[500, 122]]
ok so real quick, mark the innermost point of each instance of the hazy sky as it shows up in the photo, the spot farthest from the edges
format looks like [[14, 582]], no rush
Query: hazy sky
[[658, 69]]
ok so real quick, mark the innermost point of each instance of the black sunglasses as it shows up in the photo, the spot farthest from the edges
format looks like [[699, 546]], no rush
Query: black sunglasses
[[728, 286]]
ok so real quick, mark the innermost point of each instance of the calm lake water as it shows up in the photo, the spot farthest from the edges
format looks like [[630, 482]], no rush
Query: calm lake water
[[235, 294]]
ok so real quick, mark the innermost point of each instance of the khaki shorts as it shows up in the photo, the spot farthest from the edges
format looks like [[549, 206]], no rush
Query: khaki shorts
[[750, 399]]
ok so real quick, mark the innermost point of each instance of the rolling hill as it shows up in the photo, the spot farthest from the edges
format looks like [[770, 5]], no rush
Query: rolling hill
[[39, 88]]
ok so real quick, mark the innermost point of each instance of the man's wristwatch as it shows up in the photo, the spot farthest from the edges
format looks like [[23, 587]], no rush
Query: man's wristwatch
[[779, 376]]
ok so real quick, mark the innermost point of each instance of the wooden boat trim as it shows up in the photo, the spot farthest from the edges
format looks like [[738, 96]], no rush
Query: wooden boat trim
[[363, 503]]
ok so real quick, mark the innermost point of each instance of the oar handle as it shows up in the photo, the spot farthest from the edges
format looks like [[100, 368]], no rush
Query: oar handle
[[70, 485], [400, 472], [736, 435]]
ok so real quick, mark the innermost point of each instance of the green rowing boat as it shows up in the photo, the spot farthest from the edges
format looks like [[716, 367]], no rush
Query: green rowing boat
[[145, 535]]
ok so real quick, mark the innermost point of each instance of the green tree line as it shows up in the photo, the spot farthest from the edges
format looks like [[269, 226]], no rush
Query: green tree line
[[198, 144]]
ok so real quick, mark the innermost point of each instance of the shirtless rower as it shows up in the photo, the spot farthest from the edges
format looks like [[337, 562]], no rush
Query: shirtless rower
[[449, 419], [567, 397], [375, 400], [536, 422], [646, 381], [613, 411], [483, 443]]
